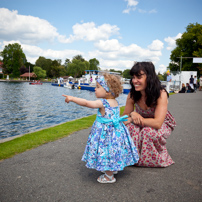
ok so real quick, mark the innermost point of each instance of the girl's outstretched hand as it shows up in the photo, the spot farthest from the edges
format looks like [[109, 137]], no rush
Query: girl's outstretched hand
[[67, 98]]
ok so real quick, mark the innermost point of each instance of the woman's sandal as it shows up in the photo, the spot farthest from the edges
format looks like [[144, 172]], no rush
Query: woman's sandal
[[102, 179]]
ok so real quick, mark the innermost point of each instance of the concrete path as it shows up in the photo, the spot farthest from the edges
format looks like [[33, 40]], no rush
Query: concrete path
[[55, 172]]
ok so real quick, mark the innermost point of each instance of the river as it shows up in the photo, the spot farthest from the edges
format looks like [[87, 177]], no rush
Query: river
[[26, 108]]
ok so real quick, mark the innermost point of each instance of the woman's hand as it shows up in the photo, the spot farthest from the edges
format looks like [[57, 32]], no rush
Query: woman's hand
[[137, 119]]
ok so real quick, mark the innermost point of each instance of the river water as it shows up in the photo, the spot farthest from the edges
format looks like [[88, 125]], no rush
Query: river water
[[26, 108]]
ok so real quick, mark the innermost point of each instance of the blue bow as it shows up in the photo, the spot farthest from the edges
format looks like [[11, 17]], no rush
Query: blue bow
[[114, 121]]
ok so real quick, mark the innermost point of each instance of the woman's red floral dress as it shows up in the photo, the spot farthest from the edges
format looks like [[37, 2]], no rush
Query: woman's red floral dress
[[150, 142]]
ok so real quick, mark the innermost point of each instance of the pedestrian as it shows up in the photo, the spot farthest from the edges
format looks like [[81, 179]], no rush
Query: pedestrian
[[191, 82], [195, 83], [109, 147], [150, 124], [169, 79]]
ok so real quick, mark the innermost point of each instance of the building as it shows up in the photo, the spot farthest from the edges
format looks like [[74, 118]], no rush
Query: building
[[28, 75]]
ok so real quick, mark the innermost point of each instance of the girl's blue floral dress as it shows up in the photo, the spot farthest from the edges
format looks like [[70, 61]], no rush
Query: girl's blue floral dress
[[109, 145]]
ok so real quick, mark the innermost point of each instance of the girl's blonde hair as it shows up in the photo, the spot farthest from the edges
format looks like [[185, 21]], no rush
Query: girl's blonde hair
[[114, 83]]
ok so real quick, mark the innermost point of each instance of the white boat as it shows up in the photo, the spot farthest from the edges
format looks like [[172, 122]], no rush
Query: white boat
[[88, 81]]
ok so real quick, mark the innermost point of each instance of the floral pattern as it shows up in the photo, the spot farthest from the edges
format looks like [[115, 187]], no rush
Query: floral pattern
[[108, 147], [150, 142]]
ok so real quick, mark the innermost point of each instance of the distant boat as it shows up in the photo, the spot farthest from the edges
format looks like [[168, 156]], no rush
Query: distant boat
[[57, 82], [35, 83]]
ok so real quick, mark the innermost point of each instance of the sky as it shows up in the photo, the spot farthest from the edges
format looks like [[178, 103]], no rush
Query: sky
[[115, 32]]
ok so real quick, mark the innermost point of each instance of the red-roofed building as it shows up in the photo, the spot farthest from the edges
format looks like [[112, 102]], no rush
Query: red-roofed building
[[28, 75]]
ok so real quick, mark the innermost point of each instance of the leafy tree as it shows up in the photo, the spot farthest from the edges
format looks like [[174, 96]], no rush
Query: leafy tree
[[126, 74], [23, 70], [62, 70], [55, 70], [13, 59], [45, 64], [77, 67], [79, 57], [189, 45], [39, 72], [160, 76], [30, 66], [94, 64]]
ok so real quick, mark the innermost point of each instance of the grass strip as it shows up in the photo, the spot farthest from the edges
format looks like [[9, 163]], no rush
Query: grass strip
[[32, 140]]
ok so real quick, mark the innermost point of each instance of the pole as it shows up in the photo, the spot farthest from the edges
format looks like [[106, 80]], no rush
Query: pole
[[180, 68], [29, 72]]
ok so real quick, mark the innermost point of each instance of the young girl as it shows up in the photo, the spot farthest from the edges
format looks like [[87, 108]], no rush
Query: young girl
[[109, 147]]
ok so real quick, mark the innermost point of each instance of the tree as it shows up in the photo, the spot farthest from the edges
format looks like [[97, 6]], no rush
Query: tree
[[189, 45], [39, 72], [160, 76], [77, 67], [55, 70], [45, 64], [13, 59], [94, 64], [126, 74], [79, 57]]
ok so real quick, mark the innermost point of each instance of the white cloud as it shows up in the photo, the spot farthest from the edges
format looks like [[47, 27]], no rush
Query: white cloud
[[152, 11], [33, 52], [131, 5], [113, 53], [108, 45], [27, 29], [89, 32], [156, 45], [162, 68], [172, 41]]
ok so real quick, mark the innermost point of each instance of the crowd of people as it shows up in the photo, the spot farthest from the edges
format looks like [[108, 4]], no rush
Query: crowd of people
[[192, 86]]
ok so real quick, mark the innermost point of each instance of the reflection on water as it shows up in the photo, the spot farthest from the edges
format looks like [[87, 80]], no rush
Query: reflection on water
[[26, 108]]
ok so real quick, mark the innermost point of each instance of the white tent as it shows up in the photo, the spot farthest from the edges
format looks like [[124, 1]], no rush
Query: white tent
[[185, 76]]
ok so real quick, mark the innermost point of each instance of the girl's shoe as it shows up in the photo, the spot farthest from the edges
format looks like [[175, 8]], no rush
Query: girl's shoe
[[115, 172], [104, 180]]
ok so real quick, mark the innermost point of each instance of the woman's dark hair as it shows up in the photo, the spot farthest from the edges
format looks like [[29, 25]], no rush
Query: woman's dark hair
[[153, 87]]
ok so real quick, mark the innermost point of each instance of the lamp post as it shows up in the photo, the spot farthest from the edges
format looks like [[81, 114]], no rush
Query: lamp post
[[180, 68]]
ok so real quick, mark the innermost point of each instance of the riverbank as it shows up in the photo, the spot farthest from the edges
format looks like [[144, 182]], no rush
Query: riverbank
[[20, 80]]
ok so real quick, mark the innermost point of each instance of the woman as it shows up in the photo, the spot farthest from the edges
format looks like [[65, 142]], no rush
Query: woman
[[151, 123], [183, 90]]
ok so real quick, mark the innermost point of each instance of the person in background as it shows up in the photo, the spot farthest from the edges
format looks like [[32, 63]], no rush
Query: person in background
[[195, 83], [189, 88], [191, 82], [183, 90], [169, 79], [150, 124], [109, 147]]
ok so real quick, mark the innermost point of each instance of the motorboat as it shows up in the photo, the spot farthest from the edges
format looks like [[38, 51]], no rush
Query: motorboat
[[88, 81], [35, 83]]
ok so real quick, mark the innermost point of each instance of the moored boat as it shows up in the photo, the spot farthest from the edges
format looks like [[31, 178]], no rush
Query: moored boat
[[88, 81], [35, 83]]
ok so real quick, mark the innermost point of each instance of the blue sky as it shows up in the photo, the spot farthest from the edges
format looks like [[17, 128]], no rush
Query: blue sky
[[116, 32]]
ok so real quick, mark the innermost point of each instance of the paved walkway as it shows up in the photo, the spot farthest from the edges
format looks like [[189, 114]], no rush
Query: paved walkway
[[55, 172]]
